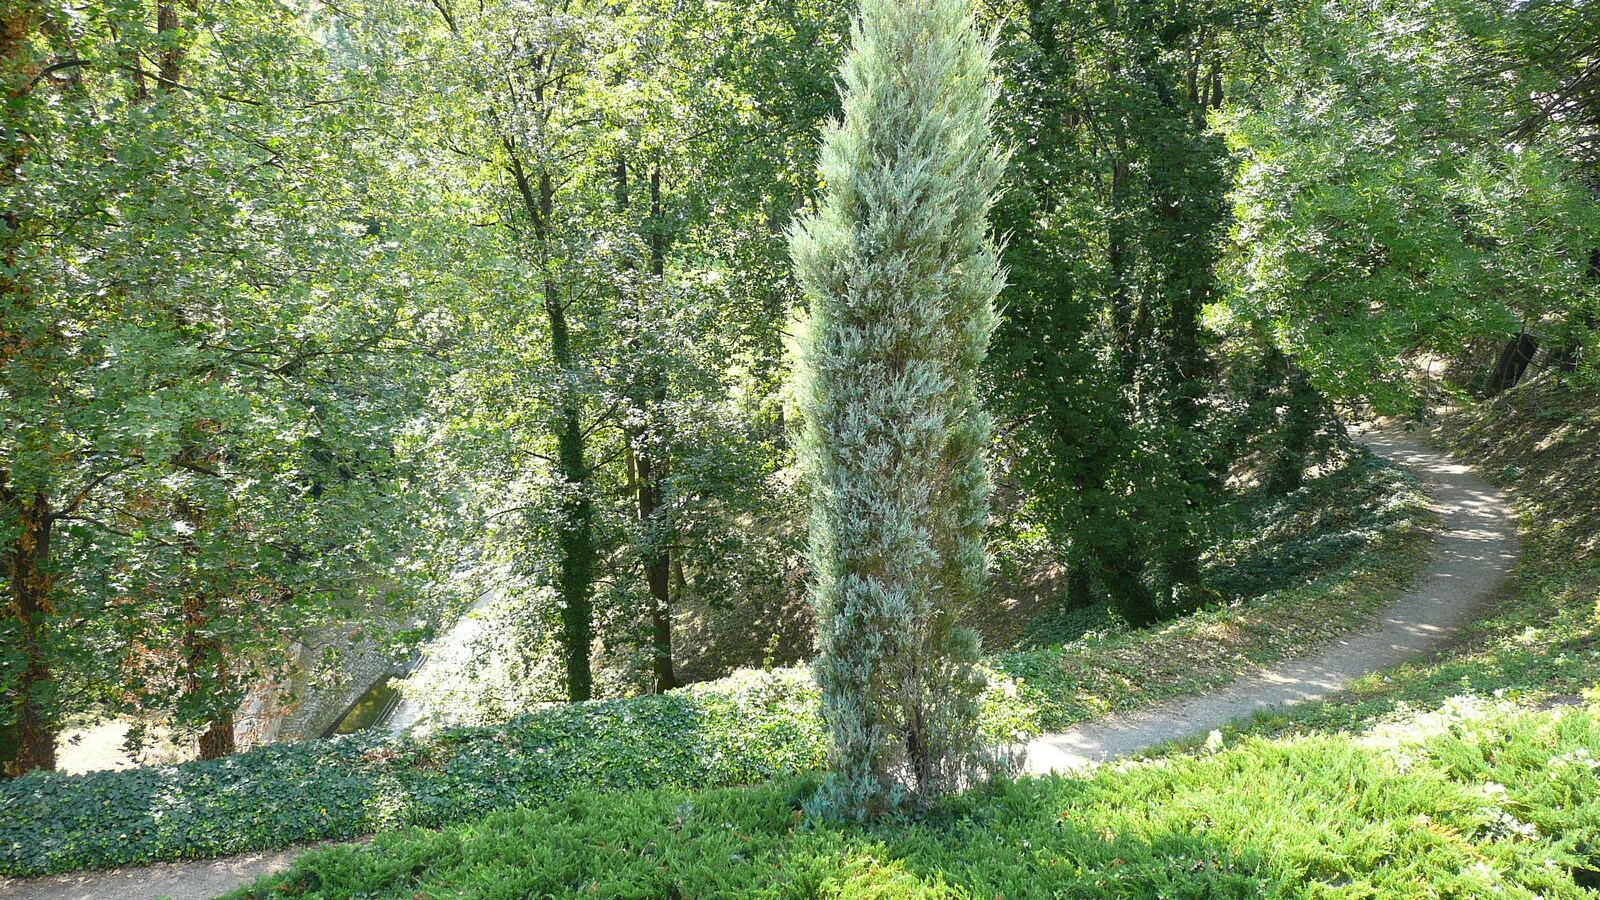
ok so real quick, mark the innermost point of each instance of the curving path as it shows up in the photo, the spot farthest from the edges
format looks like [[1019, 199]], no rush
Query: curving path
[[1476, 547]]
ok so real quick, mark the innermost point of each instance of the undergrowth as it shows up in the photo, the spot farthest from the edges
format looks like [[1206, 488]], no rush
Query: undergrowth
[[748, 728], [1333, 563], [1275, 541], [1476, 801]]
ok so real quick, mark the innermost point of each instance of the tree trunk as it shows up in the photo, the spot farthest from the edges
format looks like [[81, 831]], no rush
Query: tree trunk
[[575, 538], [1300, 420], [648, 392], [575, 531], [658, 572], [27, 725], [28, 732], [1513, 362], [1119, 259], [1134, 599], [169, 26], [1078, 592], [201, 654], [658, 563]]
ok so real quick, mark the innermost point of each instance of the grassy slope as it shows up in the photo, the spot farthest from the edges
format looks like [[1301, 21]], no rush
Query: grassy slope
[[1363, 529], [1413, 784], [1476, 801]]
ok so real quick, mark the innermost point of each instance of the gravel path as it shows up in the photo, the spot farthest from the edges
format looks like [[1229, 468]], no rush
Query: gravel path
[[1476, 547]]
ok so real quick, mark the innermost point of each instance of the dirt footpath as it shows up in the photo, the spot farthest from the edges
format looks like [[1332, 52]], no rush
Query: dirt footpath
[[1476, 547], [185, 880]]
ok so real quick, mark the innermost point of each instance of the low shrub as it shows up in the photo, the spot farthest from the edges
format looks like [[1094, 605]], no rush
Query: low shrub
[[750, 727], [1477, 800]]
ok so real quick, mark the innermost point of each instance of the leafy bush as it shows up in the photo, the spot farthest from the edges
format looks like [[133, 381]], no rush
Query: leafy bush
[[1477, 800]]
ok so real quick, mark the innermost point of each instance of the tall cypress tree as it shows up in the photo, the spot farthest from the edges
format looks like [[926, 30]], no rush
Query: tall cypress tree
[[901, 275]]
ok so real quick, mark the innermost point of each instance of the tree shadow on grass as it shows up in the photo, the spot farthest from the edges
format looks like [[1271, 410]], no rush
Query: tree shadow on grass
[[1009, 840]]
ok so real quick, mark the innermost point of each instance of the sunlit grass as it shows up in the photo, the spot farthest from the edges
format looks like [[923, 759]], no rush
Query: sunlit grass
[[1475, 800]]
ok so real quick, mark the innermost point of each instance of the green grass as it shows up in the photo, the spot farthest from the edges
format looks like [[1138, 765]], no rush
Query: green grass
[[1476, 801]]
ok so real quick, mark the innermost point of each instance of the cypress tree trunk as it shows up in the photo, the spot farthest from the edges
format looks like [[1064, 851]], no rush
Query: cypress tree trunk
[[901, 276]]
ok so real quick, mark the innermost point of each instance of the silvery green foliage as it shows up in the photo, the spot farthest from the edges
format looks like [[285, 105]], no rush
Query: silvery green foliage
[[901, 274]]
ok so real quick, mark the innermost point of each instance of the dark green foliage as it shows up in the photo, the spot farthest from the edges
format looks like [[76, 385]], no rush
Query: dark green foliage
[[1476, 802], [1289, 539], [1276, 542], [1115, 209], [1054, 628], [738, 731]]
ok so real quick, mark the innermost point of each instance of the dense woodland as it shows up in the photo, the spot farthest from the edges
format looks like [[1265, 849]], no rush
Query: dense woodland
[[332, 316]]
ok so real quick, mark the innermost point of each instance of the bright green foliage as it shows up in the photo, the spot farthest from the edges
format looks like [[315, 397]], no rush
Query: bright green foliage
[[211, 368], [1478, 801], [614, 409], [1386, 206], [901, 274]]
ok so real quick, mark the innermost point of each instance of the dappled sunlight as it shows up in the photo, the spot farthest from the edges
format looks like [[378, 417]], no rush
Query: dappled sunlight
[[1475, 548]]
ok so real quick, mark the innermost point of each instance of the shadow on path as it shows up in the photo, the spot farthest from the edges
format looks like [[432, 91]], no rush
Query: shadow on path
[[1476, 546]]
